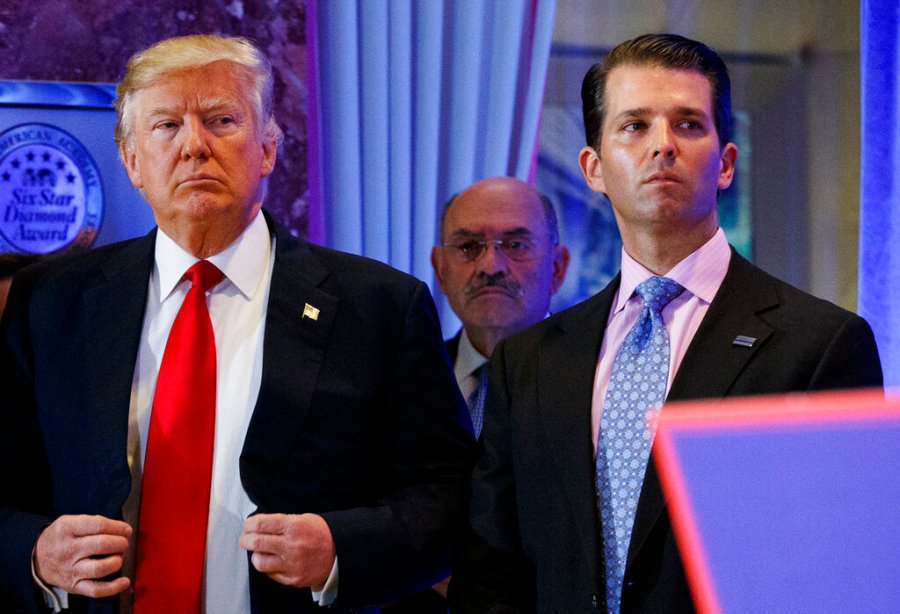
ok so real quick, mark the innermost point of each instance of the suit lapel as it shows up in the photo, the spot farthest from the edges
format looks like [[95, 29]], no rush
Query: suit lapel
[[113, 316], [566, 367], [711, 364], [295, 340], [452, 345], [712, 352]]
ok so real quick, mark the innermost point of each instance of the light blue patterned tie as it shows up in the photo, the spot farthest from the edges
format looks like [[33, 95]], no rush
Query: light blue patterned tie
[[636, 391], [476, 398]]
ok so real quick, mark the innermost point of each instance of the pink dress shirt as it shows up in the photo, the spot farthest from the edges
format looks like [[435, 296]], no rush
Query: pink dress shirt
[[701, 274]]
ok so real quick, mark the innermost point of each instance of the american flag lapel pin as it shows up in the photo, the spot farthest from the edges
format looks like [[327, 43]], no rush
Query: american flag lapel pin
[[310, 312]]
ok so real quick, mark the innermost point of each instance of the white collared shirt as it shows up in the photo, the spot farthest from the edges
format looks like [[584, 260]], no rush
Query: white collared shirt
[[468, 360], [237, 308]]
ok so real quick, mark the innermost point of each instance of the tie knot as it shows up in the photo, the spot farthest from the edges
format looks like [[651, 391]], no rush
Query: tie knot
[[658, 292], [203, 275]]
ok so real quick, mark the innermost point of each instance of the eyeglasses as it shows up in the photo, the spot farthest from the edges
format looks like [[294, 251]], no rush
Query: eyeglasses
[[515, 248]]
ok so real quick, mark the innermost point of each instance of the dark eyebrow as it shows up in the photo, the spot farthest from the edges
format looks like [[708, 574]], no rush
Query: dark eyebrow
[[463, 233], [692, 112], [635, 113], [520, 231], [641, 112]]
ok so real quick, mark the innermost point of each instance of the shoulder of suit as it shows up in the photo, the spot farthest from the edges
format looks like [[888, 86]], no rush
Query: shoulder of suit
[[77, 267], [338, 263], [579, 317], [789, 297]]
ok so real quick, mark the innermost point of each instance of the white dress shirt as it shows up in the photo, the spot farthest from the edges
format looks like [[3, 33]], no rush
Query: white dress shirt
[[468, 360], [237, 308]]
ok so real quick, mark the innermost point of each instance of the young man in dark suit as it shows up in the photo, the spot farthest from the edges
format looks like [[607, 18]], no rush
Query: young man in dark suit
[[305, 445], [566, 510]]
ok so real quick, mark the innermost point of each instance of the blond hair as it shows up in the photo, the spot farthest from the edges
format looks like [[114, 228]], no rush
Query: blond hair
[[183, 52]]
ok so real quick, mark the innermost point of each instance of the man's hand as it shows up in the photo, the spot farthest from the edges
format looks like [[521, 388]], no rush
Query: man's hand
[[75, 551], [292, 549]]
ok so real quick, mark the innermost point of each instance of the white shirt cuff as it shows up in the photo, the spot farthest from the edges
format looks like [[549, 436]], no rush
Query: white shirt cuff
[[328, 593], [55, 598]]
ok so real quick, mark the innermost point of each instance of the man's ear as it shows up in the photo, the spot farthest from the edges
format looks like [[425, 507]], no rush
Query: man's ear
[[560, 266], [726, 165], [129, 160], [270, 155], [437, 263], [589, 163]]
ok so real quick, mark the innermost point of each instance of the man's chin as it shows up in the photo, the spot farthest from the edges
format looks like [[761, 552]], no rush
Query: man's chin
[[498, 312]]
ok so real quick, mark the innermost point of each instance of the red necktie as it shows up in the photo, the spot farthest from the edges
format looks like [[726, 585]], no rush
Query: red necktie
[[171, 541]]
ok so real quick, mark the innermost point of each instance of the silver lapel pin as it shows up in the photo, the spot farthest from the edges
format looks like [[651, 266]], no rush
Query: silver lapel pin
[[744, 341]]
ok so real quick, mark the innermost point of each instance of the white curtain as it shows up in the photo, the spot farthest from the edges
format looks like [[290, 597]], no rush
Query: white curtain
[[415, 100]]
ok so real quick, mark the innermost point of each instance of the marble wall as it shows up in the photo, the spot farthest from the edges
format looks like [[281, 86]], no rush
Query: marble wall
[[91, 40]]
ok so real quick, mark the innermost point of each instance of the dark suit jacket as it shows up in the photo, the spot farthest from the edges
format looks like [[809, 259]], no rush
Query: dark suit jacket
[[535, 539], [358, 416], [453, 346], [428, 601]]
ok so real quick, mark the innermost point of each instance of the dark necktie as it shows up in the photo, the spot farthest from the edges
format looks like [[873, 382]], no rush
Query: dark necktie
[[636, 390], [177, 473]]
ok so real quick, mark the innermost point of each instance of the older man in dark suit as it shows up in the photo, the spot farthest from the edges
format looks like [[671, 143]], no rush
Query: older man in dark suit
[[219, 417], [499, 263], [566, 512]]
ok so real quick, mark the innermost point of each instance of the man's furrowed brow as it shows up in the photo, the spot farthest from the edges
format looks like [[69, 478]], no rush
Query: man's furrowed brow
[[164, 111], [465, 233], [221, 104], [692, 113], [216, 105], [635, 113], [519, 231], [682, 111]]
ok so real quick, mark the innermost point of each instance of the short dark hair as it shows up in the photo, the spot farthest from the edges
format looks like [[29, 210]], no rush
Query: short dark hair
[[667, 51], [549, 216]]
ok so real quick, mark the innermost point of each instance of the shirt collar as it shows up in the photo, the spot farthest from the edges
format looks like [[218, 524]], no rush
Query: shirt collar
[[244, 262], [467, 357], [700, 273]]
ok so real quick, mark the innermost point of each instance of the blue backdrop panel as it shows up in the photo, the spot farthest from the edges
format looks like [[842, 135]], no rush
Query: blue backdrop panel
[[879, 224], [786, 504]]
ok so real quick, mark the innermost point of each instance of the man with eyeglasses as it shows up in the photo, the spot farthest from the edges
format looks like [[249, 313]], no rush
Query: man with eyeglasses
[[499, 263]]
